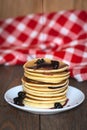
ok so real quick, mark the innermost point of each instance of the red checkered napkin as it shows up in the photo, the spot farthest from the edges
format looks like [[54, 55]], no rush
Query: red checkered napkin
[[61, 35]]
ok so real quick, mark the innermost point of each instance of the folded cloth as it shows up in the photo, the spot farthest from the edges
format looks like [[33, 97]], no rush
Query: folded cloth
[[58, 35]]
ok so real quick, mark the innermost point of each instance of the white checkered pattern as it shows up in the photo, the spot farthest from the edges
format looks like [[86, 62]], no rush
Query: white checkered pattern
[[58, 35]]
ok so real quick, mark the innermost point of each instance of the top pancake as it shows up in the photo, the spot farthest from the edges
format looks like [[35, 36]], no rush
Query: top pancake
[[32, 66]]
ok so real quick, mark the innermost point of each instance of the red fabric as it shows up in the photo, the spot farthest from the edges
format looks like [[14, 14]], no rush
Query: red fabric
[[59, 35]]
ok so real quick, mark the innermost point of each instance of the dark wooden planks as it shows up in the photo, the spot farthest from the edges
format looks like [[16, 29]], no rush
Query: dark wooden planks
[[14, 119], [16, 8], [9, 76]]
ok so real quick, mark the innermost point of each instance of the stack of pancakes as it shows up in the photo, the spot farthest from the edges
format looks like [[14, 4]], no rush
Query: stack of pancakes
[[45, 83]]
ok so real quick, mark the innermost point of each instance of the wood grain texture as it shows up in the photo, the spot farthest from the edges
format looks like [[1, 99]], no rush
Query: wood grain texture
[[9, 79], [78, 4], [12, 119], [57, 5], [84, 4], [13, 8]]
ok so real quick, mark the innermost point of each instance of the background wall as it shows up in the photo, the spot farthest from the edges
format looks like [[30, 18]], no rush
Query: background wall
[[13, 8]]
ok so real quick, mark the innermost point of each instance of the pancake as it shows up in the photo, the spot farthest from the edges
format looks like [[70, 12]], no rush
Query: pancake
[[55, 78], [45, 93], [45, 83], [45, 89], [31, 66], [39, 84], [40, 104]]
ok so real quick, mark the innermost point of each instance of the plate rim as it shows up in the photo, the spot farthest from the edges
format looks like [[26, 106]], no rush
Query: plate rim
[[42, 110]]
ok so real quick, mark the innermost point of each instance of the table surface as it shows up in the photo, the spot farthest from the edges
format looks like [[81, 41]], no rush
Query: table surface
[[14, 119]]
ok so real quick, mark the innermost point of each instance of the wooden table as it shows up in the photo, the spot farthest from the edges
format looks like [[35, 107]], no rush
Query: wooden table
[[15, 119], [14, 8]]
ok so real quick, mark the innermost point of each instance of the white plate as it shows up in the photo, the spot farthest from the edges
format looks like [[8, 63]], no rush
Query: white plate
[[75, 96]]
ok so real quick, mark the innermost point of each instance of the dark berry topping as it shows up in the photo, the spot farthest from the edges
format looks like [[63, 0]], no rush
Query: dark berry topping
[[40, 61], [66, 102], [58, 105], [42, 64], [21, 94], [19, 100], [55, 64], [15, 100], [55, 87]]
